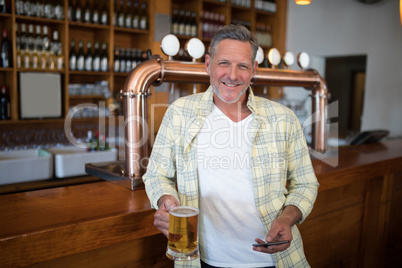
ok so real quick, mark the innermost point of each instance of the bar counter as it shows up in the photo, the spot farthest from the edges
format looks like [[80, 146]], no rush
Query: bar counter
[[355, 222]]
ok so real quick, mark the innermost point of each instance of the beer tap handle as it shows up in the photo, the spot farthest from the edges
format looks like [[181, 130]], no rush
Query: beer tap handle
[[196, 49]]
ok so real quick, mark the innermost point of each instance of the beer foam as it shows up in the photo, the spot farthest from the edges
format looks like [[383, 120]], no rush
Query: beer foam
[[184, 211]]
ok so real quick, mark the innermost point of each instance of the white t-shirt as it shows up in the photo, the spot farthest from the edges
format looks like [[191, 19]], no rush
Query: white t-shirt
[[228, 221]]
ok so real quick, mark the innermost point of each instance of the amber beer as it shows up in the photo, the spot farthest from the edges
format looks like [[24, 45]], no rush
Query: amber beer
[[183, 233]]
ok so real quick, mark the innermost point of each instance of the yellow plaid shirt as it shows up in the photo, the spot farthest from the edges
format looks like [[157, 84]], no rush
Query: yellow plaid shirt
[[280, 162]]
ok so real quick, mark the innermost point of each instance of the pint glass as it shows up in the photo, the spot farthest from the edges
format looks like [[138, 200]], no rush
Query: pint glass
[[183, 233]]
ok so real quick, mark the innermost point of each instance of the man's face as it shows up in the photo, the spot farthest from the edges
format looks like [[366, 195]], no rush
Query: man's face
[[231, 69]]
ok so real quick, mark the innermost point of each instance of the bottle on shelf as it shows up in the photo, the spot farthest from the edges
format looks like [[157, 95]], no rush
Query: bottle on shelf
[[18, 48], [121, 14], [80, 57], [19, 7], [39, 9], [3, 7], [95, 18], [58, 10], [96, 58], [38, 38], [72, 57], [71, 10], [182, 23], [187, 23], [43, 58], [87, 12], [128, 60], [5, 111], [175, 22], [104, 13], [136, 16], [122, 58], [193, 29], [115, 13], [27, 5], [79, 12], [128, 17], [144, 17], [88, 57], [59, 58], [49, 10], [116, 60], [104, 61], [6, 56]]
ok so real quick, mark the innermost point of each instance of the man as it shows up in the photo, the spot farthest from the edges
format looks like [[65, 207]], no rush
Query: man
[[242, 160]]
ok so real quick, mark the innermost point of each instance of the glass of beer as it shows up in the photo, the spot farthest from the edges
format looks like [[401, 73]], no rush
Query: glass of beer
[[183, 233]]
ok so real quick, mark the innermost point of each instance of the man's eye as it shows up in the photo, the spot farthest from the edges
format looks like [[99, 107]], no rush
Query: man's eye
[[223, 63], [244, 67]]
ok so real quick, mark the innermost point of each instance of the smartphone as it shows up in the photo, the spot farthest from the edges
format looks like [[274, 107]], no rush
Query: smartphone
[[271, 244]]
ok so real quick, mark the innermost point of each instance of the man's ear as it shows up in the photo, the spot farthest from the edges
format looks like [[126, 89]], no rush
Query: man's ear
[[207, 62], [255, 67]]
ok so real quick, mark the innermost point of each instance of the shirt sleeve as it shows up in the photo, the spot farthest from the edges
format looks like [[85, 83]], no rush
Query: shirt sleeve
[[160, 177], [303, 184]]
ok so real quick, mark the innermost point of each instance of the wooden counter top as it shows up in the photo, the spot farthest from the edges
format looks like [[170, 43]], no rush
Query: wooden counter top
[[71, 220], [43, 225]]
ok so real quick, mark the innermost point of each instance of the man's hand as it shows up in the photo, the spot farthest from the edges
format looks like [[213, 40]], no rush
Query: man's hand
[[161, 216], [280, 230]]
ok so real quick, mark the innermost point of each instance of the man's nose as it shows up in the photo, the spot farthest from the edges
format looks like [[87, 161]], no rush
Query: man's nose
[[232, 73]]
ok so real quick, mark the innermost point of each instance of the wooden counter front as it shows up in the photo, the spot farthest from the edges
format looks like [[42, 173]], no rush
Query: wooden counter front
[[355, 221]]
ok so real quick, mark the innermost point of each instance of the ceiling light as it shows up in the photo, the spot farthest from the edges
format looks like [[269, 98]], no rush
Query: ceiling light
[[303, 2]]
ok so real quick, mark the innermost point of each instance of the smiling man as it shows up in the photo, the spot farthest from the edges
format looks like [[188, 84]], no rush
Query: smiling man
[[242, 160]]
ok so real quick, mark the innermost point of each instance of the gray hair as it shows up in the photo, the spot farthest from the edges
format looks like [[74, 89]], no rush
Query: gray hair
[[234, 32]]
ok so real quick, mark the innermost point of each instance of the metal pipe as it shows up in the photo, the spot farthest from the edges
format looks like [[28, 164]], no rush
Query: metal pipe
[[156, 71]]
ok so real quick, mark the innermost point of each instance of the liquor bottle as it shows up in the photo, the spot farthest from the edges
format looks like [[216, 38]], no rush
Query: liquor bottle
[[6, 56], [88, 57], [104, 62], [95, 16], [35, 59], [19, 7], [136, 16], [193, 24], [38, 38], [133, 58], [128, 17], [96, 58], [55, 44], [122, 58], [87, 12], [116, 60], [104, 16], [27, 8], [78, 14], [40, 9], [5, 111], [59, 57], [128, 60], [144, 16], [71, 11], [18, 58], [182, 25], [59, 10], [115, 13], [43, 58], [49, 10], [3, 7], [72, 56], [121, 14], [175, 22], [187, 24], [80, 56]]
